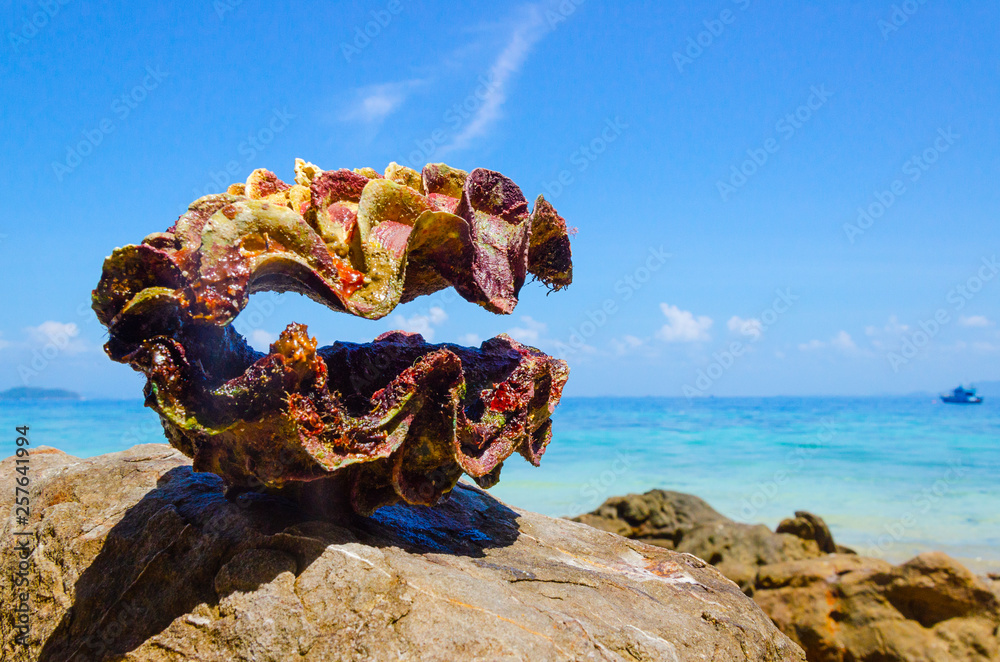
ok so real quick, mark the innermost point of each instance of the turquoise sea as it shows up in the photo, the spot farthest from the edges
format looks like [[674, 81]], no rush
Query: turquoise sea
[[891, 476]]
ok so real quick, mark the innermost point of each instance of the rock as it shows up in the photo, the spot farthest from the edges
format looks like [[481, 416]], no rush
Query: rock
[[141, 559], [807, 526], [841, 608], [658, 517], [739, 550], [685, 523], [993, 581]]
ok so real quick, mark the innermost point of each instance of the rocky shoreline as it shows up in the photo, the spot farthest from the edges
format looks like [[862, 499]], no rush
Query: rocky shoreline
[[839, 606]]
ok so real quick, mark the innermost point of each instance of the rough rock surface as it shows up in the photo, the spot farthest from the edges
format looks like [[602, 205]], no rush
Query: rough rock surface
[[839, 607], [807, 526], [842, 608], [685, 523], [141, 559]]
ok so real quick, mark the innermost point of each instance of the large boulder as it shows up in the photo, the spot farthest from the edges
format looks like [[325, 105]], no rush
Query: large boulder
[[140, 558]]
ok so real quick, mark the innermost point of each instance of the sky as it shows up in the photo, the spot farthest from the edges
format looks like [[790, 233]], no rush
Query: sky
[[782, 198]]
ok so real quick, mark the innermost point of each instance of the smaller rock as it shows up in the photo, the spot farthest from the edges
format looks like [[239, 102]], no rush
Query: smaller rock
[[658, 517], [843, 607], [837, 605], [807, 526], [685, 523]]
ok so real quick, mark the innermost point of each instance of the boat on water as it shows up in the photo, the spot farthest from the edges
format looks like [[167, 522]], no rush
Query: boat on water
[[962, 396]]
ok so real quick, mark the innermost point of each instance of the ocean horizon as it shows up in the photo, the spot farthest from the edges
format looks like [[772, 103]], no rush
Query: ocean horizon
[[892, 476]]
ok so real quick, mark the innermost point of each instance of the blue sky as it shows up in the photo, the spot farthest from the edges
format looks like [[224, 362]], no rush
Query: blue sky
[[771, 198]]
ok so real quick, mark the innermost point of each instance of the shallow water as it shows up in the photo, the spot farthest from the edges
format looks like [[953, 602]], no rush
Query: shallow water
[[891, 476]]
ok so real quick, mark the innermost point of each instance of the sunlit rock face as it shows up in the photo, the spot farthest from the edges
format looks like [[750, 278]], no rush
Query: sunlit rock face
[[395, 419]]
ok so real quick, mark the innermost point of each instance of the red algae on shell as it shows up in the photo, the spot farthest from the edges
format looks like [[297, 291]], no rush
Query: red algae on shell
[[396, 419]]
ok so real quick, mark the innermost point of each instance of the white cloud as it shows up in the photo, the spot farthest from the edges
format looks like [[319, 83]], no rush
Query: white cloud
[[893, 328], [261, 340], [470, 339], [626, 344], [374, 103], [974, 321], [891, 332], [421, 323], [748, 327], [534, 333], [61, 335], [526, 33], [683, 326], [844, 342], [4, 343], [984, 347], [530, 331]]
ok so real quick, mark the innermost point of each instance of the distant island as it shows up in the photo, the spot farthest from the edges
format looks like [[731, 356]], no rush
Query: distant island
[[30, 393]]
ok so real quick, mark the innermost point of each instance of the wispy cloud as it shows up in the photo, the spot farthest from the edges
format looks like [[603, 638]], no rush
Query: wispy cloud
[[374, 103], [528, 30]]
